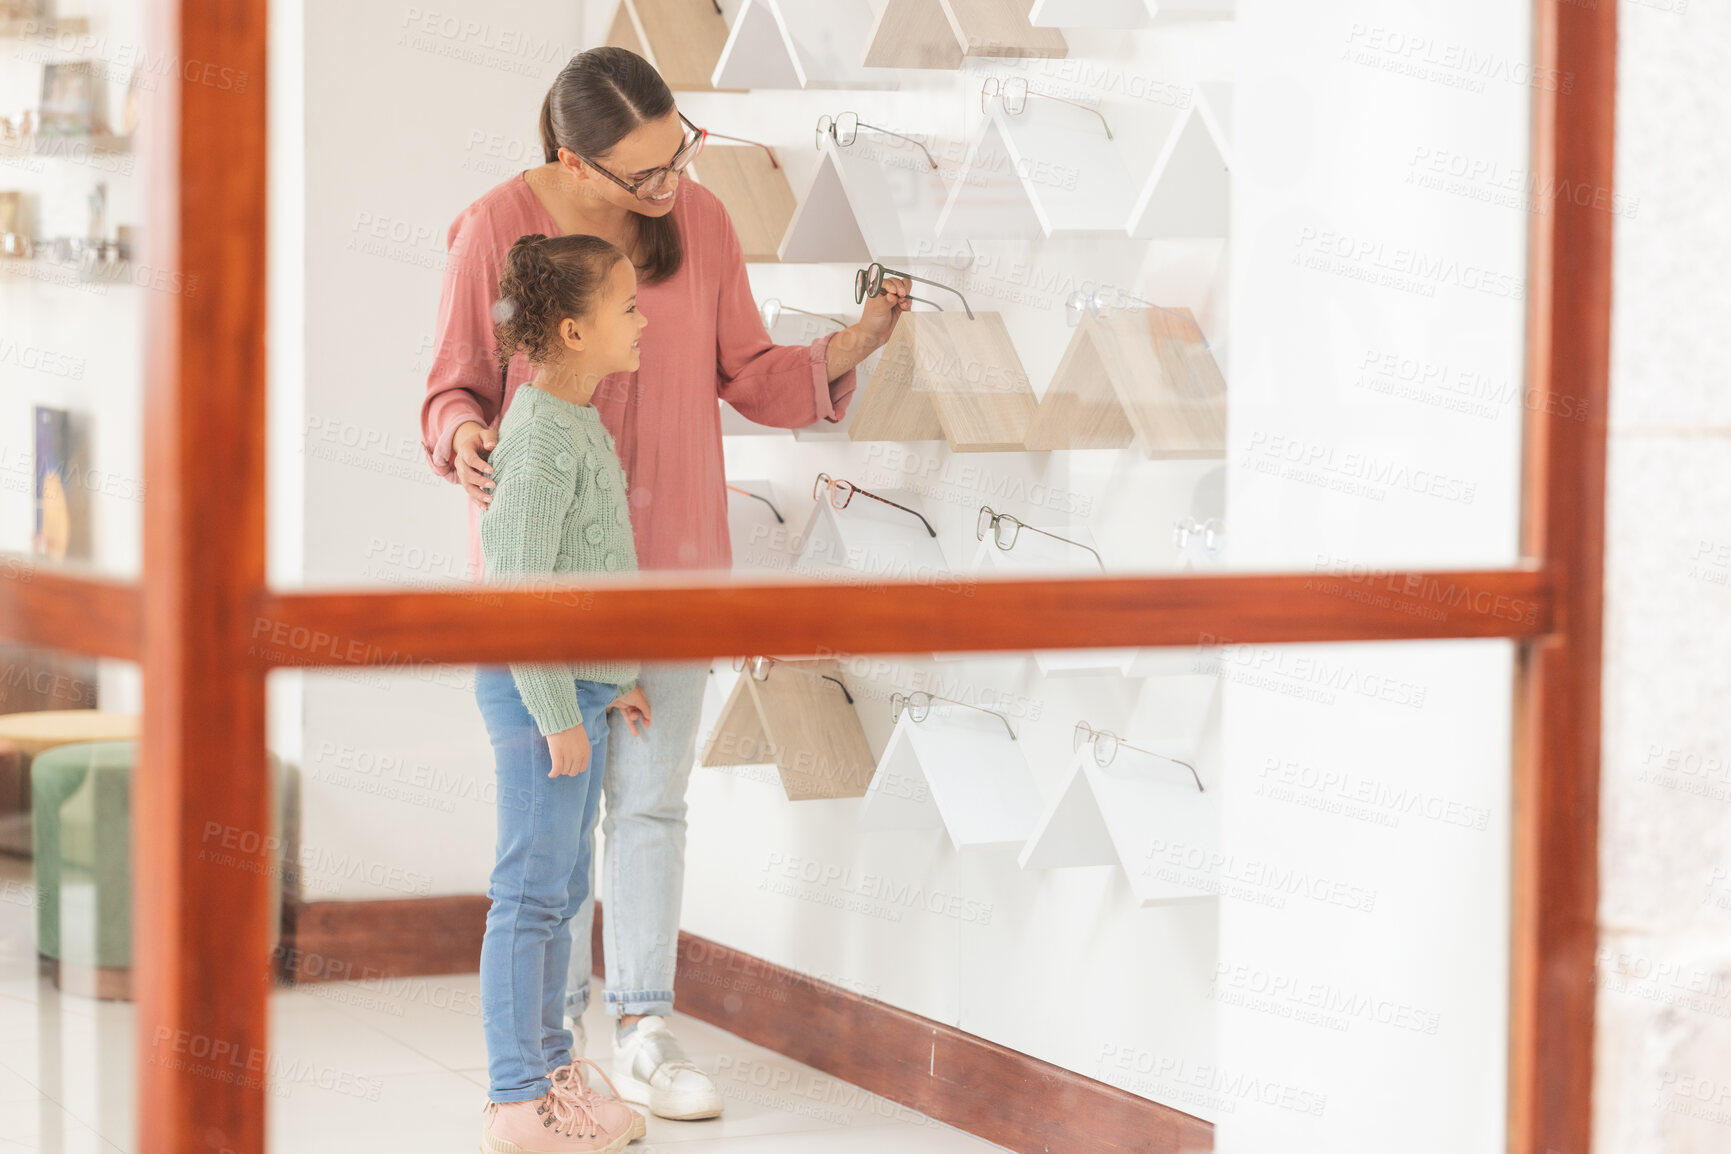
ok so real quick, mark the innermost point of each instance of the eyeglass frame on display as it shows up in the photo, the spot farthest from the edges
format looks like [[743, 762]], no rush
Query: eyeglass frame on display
[[900, 701], [779, 519], [1092, 738], [867, 283], [1080, 302], [690, 147], [996, 518], [832, 130], [824, 480], [769, 315], [740, 663], [1002, 92]]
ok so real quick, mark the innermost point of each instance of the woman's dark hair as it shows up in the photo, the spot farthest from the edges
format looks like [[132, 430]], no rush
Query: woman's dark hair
[[547, 279], [598, 99]]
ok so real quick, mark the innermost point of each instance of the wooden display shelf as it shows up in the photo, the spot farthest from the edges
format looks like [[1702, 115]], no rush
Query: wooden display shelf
[[755, 193], [799, 44], [39, 27], [67, 144], [1141, 375], [681, 38], [803, 725], [942, 33], [945, 376]]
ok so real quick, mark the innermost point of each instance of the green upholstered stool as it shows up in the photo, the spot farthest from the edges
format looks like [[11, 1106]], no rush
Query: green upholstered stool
[[82, 810], [34, 732]]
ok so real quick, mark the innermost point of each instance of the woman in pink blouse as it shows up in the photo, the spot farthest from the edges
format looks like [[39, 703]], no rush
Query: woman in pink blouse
[[615, 146]]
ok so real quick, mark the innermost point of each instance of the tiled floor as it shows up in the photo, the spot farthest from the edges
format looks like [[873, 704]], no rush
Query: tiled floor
[[390, 1066]]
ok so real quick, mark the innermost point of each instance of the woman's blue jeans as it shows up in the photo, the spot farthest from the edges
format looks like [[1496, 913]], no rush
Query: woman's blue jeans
[[540, 881]]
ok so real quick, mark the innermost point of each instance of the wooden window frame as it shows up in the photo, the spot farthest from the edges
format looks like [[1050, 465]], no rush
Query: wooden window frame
[[201, 964]]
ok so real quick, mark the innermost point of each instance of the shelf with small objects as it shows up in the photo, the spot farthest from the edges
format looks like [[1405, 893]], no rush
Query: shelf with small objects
[[799, 717], [876, 191], [876, 533], [682, 38]]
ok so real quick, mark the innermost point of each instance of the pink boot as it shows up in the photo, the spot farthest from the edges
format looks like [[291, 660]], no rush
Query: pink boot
[[570, 1119]]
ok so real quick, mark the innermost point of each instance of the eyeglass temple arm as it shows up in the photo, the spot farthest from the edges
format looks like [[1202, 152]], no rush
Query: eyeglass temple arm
[[773, 162], [1067, 541], [1174, 760], [903, 508], [779, 520], [839, 685], [934, 283], [899, 136], [979, 709], [809, 313], [1075, 104]]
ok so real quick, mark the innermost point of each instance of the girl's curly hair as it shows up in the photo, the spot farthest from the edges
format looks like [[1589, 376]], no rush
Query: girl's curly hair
[[547, 279]]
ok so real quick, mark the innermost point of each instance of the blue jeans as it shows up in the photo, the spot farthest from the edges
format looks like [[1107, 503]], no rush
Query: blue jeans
[[644, 868], [540, 881]]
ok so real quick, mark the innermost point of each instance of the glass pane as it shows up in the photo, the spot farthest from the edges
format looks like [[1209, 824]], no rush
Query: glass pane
[[68, 748], [1285, 895], [1297, 239], [76, 274]]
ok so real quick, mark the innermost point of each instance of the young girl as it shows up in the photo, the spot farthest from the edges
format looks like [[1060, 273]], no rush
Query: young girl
[[558, 506]]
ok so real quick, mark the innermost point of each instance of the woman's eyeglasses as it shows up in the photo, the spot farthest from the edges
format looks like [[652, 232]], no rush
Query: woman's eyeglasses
[[844, 130], [841, 492], [651, 184], [1014, 94], [759, 497], [1103, 302], [869, 282], [918, 706], [1106, 744], [772, 308], [757, 668], [1005, 530]]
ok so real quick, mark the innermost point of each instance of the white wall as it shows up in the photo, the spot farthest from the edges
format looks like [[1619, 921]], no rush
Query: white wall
[[1664, 1042]]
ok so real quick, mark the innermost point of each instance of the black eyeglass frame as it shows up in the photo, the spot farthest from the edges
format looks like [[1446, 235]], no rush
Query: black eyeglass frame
[[869, 282], [918, 710], [1087, 733], [835, 484], [990, 518]]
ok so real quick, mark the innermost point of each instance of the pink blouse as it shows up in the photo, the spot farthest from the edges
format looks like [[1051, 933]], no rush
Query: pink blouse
[[704, 340]]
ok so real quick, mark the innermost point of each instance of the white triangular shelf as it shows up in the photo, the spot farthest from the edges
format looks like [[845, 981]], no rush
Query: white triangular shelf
[[1141, 375], [877, 199], [941, 33], [1166, 833], [681, 38], [784, 44], [1170, 10], [760, 542], [1036, 555], [871, 539], [1071, 832], [793, 328], [1089, 13], [943, 376], [1049, 169], [959, 769], [801, 722], [1188, 192]]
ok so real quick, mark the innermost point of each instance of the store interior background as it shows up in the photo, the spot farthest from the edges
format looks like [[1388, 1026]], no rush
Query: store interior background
[[369, 128]]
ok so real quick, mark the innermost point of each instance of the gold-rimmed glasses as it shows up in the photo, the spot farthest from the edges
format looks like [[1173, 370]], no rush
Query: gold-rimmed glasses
[[1014, 93], [1005, 531], [844, 127], [841, 492], [1106, 744], [757, 668], [869, 282], [918, 705]]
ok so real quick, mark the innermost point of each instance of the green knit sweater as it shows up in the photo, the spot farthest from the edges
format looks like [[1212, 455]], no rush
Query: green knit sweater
[[558, 507]]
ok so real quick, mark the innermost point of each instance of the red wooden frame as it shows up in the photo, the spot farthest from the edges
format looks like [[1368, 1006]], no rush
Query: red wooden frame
[[201, 933]]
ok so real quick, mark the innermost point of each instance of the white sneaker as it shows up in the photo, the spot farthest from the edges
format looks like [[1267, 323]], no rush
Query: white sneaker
[[579, 1037], [650, 1069]]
